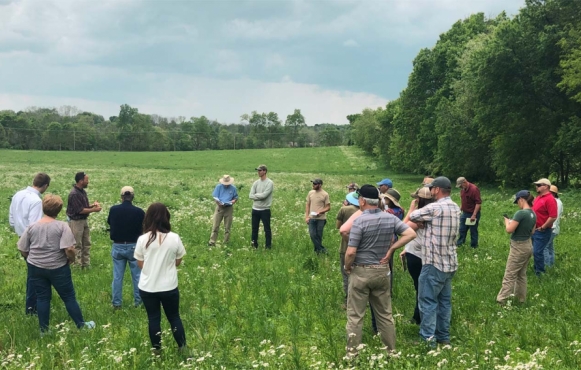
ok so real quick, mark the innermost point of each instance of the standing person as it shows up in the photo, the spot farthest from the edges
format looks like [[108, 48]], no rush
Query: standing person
[[521, 227], [427, 180], [225, 195], [49, 247], [550, 249], [159, 252], [471, 204], [344, 214], [384, 185], [261, 195], [413, 250], [26, 209], [440, 262], [78, 210], [392, 205], [545, 207], [316, 208], [126, 225], [365, 262]]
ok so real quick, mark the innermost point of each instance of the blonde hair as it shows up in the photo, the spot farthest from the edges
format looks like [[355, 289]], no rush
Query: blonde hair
[[52, 205]]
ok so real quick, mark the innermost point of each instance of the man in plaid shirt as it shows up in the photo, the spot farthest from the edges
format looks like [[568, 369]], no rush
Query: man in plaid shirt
[[441, 220]]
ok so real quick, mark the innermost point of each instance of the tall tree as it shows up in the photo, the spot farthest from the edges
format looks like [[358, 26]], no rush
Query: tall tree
[[293, 124]]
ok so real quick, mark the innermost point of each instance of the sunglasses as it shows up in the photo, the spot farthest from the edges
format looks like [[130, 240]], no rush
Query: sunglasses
[[539, 185]]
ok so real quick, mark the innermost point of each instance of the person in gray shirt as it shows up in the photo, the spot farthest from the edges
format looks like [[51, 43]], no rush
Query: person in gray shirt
[[261, 195], [366, 262], [49, 247]]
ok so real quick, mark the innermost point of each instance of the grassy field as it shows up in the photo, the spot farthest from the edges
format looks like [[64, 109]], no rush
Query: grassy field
[[280, 309]]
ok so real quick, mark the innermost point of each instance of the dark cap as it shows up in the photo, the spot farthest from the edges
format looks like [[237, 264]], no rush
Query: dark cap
[[262, 167], [317, 182], [440, 182], [521, 194], [368, 191]]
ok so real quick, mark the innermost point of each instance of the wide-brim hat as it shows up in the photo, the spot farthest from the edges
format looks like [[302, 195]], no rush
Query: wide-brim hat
[[352, 198], [554, 189], [226, 180], [394, 196]]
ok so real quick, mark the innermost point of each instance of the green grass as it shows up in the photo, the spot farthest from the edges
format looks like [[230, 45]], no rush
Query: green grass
[[245, 309]]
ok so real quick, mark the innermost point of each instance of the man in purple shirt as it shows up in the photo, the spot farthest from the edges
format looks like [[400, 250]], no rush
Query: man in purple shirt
[[470, 216]]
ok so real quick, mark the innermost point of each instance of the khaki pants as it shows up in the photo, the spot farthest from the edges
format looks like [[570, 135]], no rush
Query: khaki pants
[[226, 214], [515, 275], [373, 286], [80, 229]]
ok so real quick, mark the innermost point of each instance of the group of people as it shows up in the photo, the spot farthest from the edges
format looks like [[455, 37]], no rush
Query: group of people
[[372, 223]]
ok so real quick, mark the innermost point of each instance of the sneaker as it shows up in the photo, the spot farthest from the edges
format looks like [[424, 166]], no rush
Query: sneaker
[[90, 324]]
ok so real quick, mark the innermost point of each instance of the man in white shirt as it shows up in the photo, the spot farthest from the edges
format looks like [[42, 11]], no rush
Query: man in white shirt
[[26, 209]]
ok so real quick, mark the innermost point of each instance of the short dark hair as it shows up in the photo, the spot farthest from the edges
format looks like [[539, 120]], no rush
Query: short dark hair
[[127, 196], [41, 179], [79, 176]]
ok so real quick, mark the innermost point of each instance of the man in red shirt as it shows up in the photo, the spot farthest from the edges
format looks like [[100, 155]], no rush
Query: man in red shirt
[[545, 207], [471, 203]]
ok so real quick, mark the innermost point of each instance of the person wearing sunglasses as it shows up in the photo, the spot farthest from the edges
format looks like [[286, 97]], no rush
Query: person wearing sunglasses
[[545, 207]]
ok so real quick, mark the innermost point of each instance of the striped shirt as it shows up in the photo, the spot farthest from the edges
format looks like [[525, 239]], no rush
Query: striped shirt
[[442, 219], [371, 234]]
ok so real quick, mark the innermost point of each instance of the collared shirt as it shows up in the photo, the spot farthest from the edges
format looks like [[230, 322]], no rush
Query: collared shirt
[[78, 201], [470, 198], [442, 220], [371, 234], [545, 206], [225, 194], [25, 209], [126, 222]]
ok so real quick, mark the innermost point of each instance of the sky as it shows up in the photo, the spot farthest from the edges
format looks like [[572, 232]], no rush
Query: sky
[[218, 58]]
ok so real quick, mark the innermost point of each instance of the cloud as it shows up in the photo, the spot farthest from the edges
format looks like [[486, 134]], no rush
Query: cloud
[[350, 43]]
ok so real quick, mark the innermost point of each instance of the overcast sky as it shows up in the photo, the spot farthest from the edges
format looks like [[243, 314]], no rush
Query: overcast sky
[[218, 58]]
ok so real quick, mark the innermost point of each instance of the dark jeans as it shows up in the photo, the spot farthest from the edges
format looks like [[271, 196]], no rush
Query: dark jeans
[[415, 269], [464, 230], [540, 240], [30, 302], [62, 281], [316, 228], [170, 301], [263, 216]]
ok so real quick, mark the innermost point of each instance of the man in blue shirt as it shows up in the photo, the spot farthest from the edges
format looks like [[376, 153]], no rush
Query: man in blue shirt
[[225, 195]]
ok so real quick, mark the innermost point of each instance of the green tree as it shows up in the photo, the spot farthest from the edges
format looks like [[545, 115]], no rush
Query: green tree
[[293, 124]]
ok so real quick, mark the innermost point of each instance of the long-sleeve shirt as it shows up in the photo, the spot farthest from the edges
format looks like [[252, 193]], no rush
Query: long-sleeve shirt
[[556, 224], [442, 220], [225, 194], [125, 222], [78, 201], [25, 209], [261, 194]]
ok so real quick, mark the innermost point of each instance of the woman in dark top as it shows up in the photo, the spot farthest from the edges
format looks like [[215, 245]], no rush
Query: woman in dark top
[[521, 226]]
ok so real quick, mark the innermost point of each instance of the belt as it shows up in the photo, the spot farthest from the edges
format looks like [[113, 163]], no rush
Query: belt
[[116, 242], [372, 266]]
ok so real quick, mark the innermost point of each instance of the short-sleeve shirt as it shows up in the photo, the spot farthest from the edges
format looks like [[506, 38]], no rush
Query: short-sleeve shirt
[[415, 246], [45, 243], [371, 234], [344, 213], [159, 273], [526, 219], [545, 206], [319, 200], [470, 198]]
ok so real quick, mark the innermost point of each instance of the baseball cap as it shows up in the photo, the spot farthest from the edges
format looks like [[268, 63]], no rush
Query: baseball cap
[[317, 182], [521, 194], [440, 182], [460, 181], [543, 182], [126, 190], [261, 167], [368, 191], [387, 182]]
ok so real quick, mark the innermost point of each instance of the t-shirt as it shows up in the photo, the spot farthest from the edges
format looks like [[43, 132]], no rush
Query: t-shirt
[[526, 219], [344, 213], [45, 243], [415, 246], [319, 200], [159, 273]]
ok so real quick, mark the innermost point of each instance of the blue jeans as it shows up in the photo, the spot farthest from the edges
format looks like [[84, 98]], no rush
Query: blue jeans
[[122, 255], [62, 281], [464, 230], [435, 302], [540, 241], [550, 251], [316, 232]]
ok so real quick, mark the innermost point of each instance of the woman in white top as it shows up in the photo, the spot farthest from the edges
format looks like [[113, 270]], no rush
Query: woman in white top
[[413, 250], [158, 252]]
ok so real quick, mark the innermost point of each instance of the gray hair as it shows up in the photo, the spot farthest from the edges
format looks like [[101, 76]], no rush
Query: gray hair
[[371, 202]]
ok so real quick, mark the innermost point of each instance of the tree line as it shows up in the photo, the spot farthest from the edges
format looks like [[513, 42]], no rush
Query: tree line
[[494, 99], [67, 128]]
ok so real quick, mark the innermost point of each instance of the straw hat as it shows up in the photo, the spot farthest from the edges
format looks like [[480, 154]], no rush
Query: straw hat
[[226, 180]]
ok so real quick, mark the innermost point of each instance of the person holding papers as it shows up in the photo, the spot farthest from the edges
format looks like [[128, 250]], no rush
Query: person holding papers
[[225, 195]]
